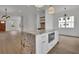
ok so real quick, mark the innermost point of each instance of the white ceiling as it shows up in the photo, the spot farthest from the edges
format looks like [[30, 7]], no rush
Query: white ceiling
[[22, 8], [60, 8], [14, 9]]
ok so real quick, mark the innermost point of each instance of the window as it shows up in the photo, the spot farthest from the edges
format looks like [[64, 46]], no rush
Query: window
[[61, 23], [67, 22]]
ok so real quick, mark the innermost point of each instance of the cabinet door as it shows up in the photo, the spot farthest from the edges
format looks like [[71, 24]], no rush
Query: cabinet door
[[44, 44], [38, 44]]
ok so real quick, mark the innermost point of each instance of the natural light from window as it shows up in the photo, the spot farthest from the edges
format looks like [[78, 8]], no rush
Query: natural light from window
[[67, 22]]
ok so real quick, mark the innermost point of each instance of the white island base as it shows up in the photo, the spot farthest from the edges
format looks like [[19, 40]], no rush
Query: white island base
[[46, 41], [41, 42]]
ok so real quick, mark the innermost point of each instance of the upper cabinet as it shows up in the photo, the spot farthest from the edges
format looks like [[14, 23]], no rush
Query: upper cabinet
[[48, 20]]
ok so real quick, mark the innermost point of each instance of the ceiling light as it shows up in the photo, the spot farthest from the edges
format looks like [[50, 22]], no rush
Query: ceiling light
[[39, 6], [51, 10]]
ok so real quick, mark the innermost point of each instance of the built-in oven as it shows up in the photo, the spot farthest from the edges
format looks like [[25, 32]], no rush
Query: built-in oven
[[51, 37]]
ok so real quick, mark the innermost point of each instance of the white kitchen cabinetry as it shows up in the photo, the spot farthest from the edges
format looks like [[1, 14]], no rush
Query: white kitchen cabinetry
[[54, 41], [41, 43]]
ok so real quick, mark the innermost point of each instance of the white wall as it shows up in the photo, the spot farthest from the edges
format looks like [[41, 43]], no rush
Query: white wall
[[38, 20], [29, 19], [14, 20], [28, 13], [75, 30], [48, 20], [40, 13]]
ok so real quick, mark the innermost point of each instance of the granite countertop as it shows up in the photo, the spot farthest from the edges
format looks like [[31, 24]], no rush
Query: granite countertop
[[42, 32]]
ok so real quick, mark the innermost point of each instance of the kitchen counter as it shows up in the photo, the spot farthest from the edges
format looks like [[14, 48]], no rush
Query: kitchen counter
[[39, 41], [42, 32]]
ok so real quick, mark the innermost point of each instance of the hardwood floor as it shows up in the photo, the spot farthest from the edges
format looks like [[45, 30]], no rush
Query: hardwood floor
[[66, 45], [9, 44], [19, 43]]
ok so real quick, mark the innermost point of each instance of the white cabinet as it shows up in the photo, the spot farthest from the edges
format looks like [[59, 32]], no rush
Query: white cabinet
[[41, 43], [44, 43], [54, 41]]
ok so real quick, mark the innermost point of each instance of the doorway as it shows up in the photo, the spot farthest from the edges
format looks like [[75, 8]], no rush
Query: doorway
[[2, 26]]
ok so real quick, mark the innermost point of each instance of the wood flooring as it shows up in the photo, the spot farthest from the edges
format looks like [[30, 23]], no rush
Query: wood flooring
[[66, 45], [17, 43], [11, 44]]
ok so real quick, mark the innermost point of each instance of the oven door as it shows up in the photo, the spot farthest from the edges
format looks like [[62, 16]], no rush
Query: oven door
[[51, 37]]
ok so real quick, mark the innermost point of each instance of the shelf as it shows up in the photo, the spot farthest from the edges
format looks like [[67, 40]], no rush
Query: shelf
[[42, 23], [42, 17]]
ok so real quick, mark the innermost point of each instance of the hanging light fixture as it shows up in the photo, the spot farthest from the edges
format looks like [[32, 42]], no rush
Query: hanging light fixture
[[51, 9], [66, 15], [5, 16]]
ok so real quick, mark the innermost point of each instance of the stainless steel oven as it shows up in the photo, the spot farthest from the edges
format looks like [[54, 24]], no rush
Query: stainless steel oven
[[51, 37]]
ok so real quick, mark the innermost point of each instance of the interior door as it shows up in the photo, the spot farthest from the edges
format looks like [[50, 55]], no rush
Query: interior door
[[2, 26]]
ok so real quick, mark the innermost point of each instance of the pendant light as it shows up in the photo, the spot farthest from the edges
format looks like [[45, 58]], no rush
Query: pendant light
[[51, 9], [66, 15], [5, 16]]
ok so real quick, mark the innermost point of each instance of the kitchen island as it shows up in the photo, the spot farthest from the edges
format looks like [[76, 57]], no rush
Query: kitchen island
[[42, 41]]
